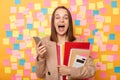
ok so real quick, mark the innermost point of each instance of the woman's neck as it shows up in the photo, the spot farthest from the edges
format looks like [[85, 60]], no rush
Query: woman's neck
[[62, 39]]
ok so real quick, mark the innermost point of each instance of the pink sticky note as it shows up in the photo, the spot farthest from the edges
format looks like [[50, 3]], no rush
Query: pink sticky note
[[13, 77], [94, 55], [79, 17], [29, 20], [28, 51], [86, 32], [26, 72], [103, 67], [12, 40], [92, 26], [26, 11], [85, 2], [40, 16], [102, 10], [16, 54], [82, 37], [13, 10], [41, 29], [73, 16], [89, 13], [8, 50], [89, 19], [20, 29], [99, 18], [18, 77], [19, 15], [47, 2], [7, 26], [83, 22], [6, 62], [14, 66], [103, 48], [72, 2], [115, 47], [117, 28], [103, 74], [99, 42], [98, 65], [106, 28], [31, 59], [73, 8], [33, 76], [30, 5], [22, 45], [113, 77], [82, 8], [109, 46], [107, 1], [19, 22], [110, 58], [27, 66], [115, 56]]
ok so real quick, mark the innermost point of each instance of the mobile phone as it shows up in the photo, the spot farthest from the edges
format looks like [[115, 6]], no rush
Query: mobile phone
[[36, 39]]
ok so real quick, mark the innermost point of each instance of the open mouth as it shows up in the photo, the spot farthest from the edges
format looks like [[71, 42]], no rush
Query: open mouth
[[61, 26]]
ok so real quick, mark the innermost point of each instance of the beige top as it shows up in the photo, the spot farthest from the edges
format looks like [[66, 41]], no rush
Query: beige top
[[46, 68]]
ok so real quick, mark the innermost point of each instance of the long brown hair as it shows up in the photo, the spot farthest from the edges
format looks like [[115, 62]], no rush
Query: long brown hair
[[53, 36]]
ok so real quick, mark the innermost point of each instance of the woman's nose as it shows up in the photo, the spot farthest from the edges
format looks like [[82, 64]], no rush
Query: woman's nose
[[61, 20]]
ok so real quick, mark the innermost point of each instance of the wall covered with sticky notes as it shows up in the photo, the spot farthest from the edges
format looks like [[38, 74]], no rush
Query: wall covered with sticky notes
[[95, 21]]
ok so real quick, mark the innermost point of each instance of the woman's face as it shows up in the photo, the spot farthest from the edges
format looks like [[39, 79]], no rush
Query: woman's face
[[61, 21]]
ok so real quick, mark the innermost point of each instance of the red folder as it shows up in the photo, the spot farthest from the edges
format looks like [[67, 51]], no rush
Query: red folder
[[70, 45]]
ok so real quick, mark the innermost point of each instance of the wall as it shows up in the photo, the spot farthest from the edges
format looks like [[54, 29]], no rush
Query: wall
[[96, 21]]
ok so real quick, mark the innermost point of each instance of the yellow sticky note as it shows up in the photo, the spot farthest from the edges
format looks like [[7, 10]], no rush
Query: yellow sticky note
[[29, 15], [110, 65], [100, 4], [64, 1], [54, 4], [12, 18], [116, 11], [104, 57], [108, 19], [21, 9], [44, 23], [26, 32], [20, 72], [6, 41], [95, 48], [29, 44], [96, 60], [15, 33], [13, 59], [78, 30], [92, 6], [26, 79], [33, 50], [79, 2], [50, 10], [42, 34], [7, 70], [36, 24], [47, 31], [99, 25], [33, 33], [37, 6], [22, 54], [12, 26], [104, 38]]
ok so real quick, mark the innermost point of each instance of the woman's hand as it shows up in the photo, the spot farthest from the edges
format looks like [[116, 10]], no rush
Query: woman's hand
[[63, 70], [41, 49]]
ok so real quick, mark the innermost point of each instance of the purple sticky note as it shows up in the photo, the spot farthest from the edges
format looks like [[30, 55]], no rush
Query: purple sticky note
[[117, 28], [103, 75], [47, 3], [13, 9], [7, 27], [6, 62], [30, 5]]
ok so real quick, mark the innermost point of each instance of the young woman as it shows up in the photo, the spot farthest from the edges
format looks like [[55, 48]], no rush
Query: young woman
[[47, 61]]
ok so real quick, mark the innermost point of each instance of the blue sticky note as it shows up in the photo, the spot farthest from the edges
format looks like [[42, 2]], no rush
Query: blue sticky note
[[91, 40], [20, 37], [17, 1], [16, 46], [77, 22], [44, 10], [9, 33], [95, 12], [114, 4], [33, 68], [22, 62], [112, 36], [94, 31], [30, 26], [117, 69]]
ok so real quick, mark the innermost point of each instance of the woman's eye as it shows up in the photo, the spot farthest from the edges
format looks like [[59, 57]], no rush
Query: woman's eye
[[66, 17], [57, 17]]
